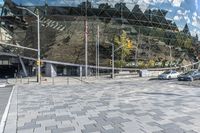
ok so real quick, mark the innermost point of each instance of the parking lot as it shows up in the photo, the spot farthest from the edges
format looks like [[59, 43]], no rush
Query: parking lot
[[136, 105]]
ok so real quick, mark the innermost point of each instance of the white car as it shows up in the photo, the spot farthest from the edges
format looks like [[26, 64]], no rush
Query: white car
[[169, 74]]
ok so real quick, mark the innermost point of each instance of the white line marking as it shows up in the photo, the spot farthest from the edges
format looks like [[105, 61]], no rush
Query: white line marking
[[5, 114]]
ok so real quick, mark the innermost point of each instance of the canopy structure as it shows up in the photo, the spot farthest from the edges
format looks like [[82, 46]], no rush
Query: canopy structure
[[120, 12]]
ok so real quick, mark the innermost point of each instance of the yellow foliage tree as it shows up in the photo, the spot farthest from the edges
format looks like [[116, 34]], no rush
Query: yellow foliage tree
[[151, 63], [125, 43]]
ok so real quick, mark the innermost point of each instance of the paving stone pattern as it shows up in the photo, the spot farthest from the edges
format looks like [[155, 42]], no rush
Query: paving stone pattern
[[129, 106]]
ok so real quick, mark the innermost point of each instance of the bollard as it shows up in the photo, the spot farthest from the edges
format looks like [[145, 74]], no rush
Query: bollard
[[67, 80], [28, 80], [16, 79], [40, 79], [6, 79], [21, 80], [81, 74], [53, 82]]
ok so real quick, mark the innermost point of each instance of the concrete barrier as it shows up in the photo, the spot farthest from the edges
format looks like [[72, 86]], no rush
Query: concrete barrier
[[149, 73]]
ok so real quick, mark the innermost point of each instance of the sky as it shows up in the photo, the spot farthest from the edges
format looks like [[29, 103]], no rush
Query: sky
[[180, 11], [1, 2]]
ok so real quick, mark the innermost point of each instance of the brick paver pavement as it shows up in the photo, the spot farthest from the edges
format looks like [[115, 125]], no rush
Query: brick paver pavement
[[107, 106]]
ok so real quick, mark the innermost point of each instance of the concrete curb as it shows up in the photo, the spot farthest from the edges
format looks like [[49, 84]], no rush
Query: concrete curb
[[5, 114]]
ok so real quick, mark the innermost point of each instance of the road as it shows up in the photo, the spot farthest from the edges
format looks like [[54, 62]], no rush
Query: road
[[118, 106], [4, 96]]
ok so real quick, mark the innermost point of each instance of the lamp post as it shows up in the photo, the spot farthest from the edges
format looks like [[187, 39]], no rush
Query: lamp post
[[97, 53], [86, 40], [38, 34]]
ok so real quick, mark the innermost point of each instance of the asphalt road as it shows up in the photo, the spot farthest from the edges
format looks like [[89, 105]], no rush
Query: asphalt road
[[4, 96]]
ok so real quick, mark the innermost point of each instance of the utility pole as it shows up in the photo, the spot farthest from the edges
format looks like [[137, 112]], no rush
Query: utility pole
[[121, 8], [96, 47], [86, 41], [98, 51], [39, 60], [38, 35]]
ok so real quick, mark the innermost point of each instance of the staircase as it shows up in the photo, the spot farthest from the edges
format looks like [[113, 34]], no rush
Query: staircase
[[52, 24]]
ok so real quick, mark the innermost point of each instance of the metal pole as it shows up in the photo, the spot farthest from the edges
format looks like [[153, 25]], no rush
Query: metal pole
[[98, 51], [21, 79], [39, 68], [16, 79], [113, 59], [81, 73], [38, 30], [67, 80], [28, 80], [96, 55], [86, 41], [170, 50], [53, 81]]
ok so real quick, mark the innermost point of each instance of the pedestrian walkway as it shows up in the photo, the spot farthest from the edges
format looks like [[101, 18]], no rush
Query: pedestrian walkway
[[106, 106]]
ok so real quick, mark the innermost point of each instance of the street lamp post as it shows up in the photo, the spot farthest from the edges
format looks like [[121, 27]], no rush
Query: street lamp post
[[86, 41], [97, 52], [38, 34]]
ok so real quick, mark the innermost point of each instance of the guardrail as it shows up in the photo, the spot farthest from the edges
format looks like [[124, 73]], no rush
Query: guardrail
[[68, 80]]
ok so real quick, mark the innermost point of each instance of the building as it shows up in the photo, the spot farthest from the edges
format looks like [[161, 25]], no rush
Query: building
[[63, 29]]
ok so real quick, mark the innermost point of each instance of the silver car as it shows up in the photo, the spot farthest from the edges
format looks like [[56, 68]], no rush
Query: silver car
[[169, 74]]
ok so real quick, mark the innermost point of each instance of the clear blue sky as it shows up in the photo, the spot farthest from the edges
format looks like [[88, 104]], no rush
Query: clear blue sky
[[1, 1]]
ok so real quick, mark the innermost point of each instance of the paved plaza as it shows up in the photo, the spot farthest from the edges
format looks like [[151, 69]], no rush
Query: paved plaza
[[107, 106]]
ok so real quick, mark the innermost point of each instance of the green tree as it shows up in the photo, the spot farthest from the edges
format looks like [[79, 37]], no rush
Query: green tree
[[188, 43], [184, 41]]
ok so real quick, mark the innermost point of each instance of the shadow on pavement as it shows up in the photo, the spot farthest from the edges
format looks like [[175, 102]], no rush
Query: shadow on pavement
[[153, 79], [166, 94]]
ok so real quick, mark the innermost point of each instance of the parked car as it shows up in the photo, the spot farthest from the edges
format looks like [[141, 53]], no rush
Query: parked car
[[190, 76], [169, 75]]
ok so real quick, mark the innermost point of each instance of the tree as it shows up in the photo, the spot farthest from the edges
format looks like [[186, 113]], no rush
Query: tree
[[186, 30], [125, 43], [184, 41], [197, 37], [188, 43], [151, 63]]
